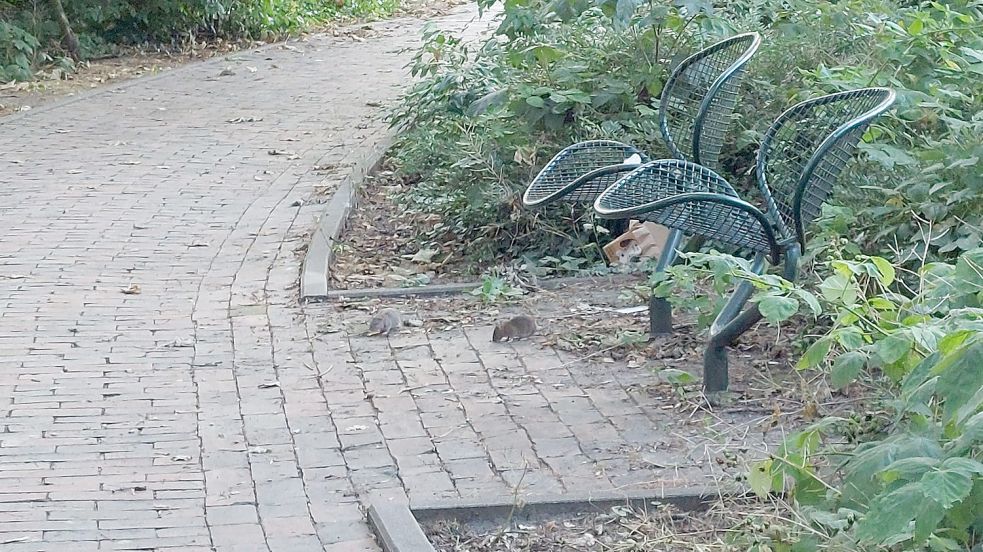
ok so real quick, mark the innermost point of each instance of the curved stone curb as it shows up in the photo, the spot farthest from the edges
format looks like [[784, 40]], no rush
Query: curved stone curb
[[315, 274], [398, 526]]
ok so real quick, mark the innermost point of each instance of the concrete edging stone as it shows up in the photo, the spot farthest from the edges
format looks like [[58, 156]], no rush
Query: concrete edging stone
[[315, 274]]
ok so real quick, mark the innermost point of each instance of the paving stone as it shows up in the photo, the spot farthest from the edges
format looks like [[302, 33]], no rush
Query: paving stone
[[129, 421], [232, 515]]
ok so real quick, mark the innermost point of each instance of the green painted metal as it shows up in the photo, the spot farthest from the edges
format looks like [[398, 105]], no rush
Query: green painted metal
[[799, 162], [694, 116]]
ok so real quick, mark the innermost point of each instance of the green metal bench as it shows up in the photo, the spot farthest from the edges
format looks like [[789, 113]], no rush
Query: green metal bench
[[799, 162], [694, 115]]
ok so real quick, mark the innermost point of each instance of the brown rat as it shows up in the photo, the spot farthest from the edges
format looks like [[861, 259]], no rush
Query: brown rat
[[519, 327], [385, 322]]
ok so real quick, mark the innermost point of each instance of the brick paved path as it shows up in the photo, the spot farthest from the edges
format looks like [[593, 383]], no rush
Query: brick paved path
[[441, 412], [188, 416]]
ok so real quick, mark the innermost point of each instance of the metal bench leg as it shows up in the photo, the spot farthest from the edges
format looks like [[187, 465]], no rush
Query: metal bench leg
[[715, 376], [729, 325], [660, 311], [738, 299]]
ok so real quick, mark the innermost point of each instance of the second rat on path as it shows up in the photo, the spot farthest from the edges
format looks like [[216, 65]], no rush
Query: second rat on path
[[519, 327], [385, 322]]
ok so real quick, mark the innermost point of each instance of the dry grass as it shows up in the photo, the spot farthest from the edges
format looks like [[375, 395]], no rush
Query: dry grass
[[729, 524]]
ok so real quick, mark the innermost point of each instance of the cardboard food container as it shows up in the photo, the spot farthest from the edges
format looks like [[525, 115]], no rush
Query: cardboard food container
[[643, 240]]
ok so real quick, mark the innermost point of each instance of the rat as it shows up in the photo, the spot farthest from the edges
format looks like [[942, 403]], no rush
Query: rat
[[519, 327], [385, 322]]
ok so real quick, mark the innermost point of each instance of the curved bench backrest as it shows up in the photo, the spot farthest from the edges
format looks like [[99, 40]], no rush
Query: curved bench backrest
[[806, 149], [700, 96]]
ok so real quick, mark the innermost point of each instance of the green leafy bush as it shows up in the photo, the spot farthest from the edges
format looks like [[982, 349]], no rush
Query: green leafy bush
[[484, 118], [915, 481], [557, 72], [18, 51], [928, 154], [917, 487]]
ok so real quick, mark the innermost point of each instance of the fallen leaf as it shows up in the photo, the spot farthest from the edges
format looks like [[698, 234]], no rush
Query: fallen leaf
[[132, 290], [244, 120], [269, 384], [184, 342], [424, 256], [810, 411]]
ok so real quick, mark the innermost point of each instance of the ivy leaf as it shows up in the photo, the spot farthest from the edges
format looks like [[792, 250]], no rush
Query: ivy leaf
[[885, 269], [815, 354], [846, 368], [947, 486], [882, 304], [952, 341], [960, 377], [972, 434], [677, 377], [850, 337], [694, 7], [916, 27], [546, 54], [893, 348], [839, 289], [926, 522], [809, 299], [776, 308], [909, 469], [919, 377], [863, 470], [969, 268], [890, 514], [761, 479], [966, 466], [966, 513]]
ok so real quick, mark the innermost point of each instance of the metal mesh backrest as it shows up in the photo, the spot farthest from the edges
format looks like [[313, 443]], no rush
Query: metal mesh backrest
[[806, 149], [700, 97], [651, 193]]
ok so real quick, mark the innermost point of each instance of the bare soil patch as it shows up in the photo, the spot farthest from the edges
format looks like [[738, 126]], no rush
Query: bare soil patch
[[381, 246], [620, 529]]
